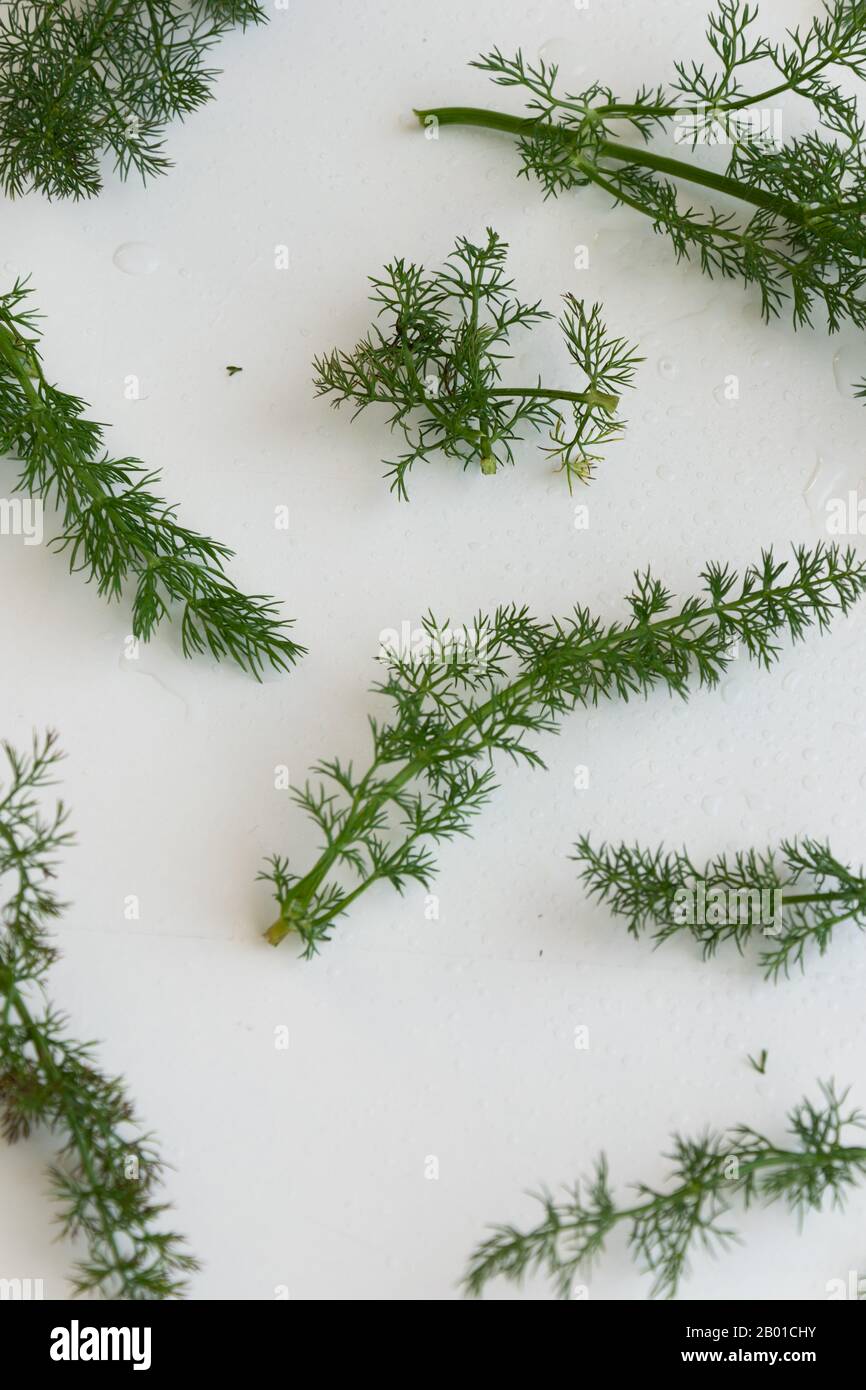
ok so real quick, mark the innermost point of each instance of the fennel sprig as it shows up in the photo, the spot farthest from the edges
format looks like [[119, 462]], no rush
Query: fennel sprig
[[792, 899], [800, 237], [435, 355], [708, 1174], [78, 81], [108, 1173], [460, 702], [116, 530]]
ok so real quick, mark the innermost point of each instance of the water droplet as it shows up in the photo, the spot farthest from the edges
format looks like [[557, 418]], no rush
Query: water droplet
[[792, 680], [136, 258], [825, 482], [711, 805], [666, 473], [731, 693], [667, 368], [849, 367]]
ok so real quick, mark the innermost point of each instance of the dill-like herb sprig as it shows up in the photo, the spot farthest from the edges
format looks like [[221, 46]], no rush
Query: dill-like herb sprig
[[800, 239], [108, 1173], [708, 1174], [435, 357], [469, 696], [78, 81], [792, 900], [115, 528]]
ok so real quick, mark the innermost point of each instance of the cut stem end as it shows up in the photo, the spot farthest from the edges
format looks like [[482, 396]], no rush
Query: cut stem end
[[277, 931]]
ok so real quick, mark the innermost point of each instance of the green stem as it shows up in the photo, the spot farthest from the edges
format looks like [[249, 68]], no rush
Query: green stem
[[820, 897], [745, 1166], [693, 173], [468, 435], [791, 266], [624, 154], [591, 397]]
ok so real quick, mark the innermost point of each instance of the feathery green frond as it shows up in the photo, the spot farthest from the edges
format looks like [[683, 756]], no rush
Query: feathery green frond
[[468, 695], [791, 900], [116, 529], [103, 77], [108, 1173], [708, 1175]]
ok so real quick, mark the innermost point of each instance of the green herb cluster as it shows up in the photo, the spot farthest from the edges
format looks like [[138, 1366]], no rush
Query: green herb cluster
[[435, 355]]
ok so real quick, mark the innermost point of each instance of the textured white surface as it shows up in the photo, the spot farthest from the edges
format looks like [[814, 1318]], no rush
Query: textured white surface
[[410, 1038]]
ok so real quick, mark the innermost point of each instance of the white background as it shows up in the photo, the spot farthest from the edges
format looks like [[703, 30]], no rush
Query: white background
[[410, 1038]]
